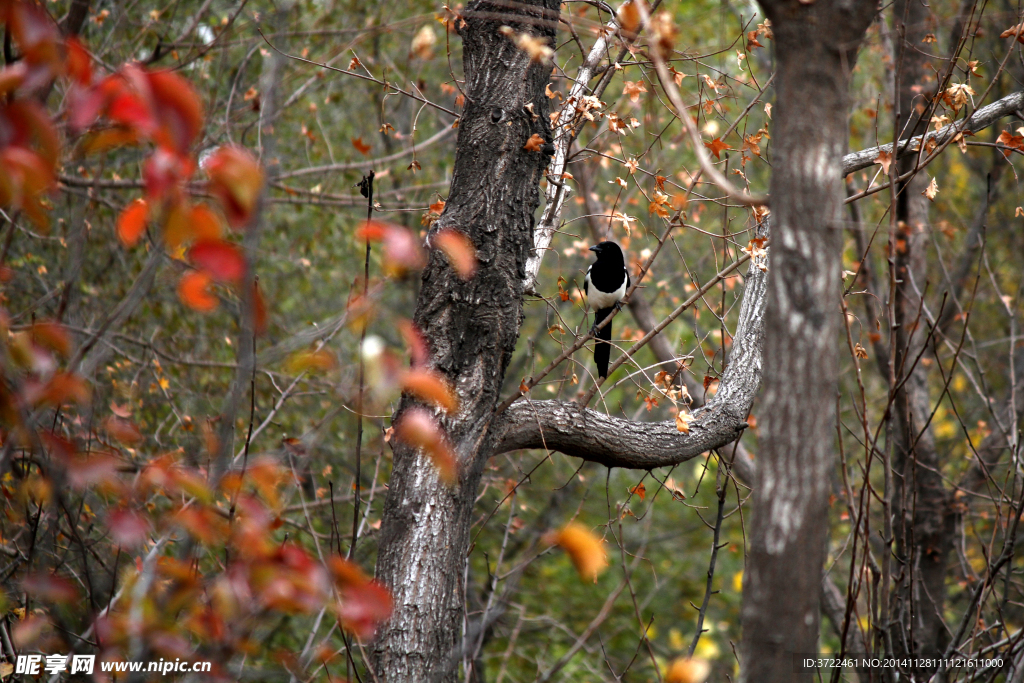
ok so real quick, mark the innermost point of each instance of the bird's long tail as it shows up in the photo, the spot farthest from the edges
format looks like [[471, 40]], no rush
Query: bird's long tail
[[602, 349]]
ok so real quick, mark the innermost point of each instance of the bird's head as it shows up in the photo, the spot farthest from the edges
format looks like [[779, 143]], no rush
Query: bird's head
[[606, 249]]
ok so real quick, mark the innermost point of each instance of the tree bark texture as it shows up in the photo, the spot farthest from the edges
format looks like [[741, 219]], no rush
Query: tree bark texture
[[471, 327], [815, 49]]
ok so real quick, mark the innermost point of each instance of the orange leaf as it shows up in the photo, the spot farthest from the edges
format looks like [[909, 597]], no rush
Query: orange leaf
[[178, 225], [52, 336], [459, 249], [430, 387], [260, 310], [132, 222], [686, 670], [361, 146], [207, 224], [236, 179], [716, 146], [223, 261], [109, 138], [534, 143], [640, 490], [194, 291], [584, 548], [884, 159], [417, 428]]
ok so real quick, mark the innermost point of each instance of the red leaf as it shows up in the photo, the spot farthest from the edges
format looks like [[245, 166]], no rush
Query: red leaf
[[194, 292], [402, 249], [35, 32], [364, 607], [415, 341], [164, 172], [127, 527], [534, 143], [223, 261], [236, 179], [79, 61], [178, 108], [123, 430], [91, 470], [49, 588], [132, 222], [63, 387], [361, 146]]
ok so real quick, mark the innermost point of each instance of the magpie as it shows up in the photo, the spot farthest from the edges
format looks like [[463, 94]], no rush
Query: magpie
[[606, 283]]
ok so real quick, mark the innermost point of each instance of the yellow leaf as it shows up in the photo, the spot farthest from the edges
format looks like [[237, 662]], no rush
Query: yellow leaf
[[584, 548]]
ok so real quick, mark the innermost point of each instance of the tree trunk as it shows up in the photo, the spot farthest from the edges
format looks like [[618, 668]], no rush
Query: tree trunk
[[472, 329], [922, 522], [815, 48]]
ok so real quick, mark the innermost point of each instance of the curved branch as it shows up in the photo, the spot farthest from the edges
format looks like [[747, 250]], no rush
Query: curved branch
[[979, 120], [612, 441]]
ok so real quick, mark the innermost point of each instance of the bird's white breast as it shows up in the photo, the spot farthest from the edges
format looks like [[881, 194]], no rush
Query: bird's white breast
[[599, 299]]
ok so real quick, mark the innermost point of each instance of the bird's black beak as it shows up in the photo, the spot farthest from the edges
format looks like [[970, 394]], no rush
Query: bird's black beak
[[593, 248]]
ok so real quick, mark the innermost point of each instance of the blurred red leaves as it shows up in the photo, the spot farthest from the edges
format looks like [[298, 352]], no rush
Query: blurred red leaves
[[49, 588], [131, 223], [402, 250], [221, 260], [459, 249], [364, 603], [236, 179], [418, 428]]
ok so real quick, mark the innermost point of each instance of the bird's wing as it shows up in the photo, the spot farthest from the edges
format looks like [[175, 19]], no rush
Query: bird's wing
[[586, 282]]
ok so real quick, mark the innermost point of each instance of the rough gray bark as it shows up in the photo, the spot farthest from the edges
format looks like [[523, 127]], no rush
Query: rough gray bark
[[472, 328], [815, 48]]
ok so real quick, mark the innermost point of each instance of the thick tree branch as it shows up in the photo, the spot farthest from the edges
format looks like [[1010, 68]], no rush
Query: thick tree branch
[[981, 119], [617, 442]]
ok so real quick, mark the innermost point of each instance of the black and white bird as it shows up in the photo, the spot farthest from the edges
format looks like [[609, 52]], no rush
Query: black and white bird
[[606, 283]]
